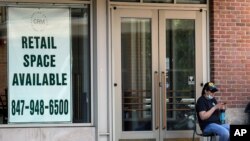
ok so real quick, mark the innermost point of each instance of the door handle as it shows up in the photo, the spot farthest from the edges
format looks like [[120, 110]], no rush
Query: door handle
[[156, 97], [164, 120]]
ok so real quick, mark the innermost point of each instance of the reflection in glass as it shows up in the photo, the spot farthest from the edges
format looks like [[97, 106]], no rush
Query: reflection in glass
[[192, 1], [81, 65], [165, 1], [136, 74], [180, 62], [158, 1], [137, 140], [125, 0]]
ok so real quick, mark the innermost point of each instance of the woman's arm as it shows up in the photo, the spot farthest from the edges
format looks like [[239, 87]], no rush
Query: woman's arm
[[206, 114]]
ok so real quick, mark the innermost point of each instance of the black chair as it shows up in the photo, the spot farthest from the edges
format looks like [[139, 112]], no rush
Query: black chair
[[208, 136], [200, 133]]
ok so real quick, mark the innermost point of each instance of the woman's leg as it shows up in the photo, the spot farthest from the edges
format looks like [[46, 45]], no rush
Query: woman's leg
[[221, 130]]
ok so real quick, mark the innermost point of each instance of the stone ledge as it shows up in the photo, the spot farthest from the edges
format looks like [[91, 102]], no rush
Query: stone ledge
[[236, 116]]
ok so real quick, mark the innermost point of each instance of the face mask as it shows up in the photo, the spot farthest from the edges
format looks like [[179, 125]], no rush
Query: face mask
[[209, 97]]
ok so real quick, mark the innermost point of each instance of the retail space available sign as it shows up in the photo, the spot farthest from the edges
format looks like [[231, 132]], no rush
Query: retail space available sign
[[39, 78]]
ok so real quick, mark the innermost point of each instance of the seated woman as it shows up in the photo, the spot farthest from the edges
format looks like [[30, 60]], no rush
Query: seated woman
[[208, 111]]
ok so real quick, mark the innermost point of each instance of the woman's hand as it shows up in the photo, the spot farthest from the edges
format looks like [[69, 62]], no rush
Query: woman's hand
[[220, 106]]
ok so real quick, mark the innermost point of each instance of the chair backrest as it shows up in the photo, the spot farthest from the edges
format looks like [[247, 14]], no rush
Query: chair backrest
[[196, 114]]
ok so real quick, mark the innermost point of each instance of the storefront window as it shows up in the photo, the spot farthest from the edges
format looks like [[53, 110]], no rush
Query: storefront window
[[45, 65]]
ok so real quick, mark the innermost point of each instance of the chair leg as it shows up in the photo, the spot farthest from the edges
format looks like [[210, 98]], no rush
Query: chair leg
[[211, 138]]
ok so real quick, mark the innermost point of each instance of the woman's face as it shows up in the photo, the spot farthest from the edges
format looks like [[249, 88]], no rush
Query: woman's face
[[210, 94]]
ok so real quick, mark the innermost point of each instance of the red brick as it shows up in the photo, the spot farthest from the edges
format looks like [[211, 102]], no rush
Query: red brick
[[230, 50]]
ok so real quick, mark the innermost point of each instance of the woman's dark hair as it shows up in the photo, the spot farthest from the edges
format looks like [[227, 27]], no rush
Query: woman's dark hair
[[205, 88]]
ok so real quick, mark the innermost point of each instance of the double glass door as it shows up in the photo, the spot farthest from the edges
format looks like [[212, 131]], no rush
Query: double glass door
[[157, 71]]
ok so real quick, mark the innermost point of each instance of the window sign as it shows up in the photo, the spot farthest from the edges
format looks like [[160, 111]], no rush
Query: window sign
[[39, 68]]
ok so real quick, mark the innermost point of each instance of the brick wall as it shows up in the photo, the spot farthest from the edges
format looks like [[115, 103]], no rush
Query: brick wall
[[230, 50]]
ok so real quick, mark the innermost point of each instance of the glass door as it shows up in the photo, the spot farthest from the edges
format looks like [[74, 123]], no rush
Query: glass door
[[155, 73], [181, 52], [135, 47]]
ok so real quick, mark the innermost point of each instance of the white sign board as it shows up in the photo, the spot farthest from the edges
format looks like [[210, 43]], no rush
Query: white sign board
[[39, 78]]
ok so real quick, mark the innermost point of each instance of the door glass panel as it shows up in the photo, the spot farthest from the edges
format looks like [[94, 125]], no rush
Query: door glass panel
[[136, 74], [180, 67]]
